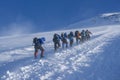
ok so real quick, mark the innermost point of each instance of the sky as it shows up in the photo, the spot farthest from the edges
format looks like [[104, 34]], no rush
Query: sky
[[29, 16]]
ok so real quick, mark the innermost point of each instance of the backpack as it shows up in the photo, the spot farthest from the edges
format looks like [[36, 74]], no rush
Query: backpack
[[65, 35], [62, 35], [41, 40], [35, 40], [87, 33], [59, 37], [83, 33], [76, 33], [56, 38], [70, 37], [71, 34], [64, 39]]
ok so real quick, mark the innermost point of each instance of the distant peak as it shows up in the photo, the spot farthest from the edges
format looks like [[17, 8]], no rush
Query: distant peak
[[110, 14]]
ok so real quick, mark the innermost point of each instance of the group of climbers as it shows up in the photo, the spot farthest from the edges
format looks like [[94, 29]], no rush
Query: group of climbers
[[82, 36], [63, 40], [69, 38]]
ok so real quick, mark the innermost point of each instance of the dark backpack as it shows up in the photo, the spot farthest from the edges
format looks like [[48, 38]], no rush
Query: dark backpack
[[56, 38], [71, 34], [35, 40], [64, 39], [62, 35], [65, 35], [70, 37], [76, 33]]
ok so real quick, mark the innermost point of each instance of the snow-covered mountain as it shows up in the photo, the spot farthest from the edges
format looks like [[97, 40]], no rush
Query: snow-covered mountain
[[97, 59], [100, 20]]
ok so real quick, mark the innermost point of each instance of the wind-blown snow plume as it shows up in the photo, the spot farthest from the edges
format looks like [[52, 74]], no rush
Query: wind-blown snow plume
[[17, 29]]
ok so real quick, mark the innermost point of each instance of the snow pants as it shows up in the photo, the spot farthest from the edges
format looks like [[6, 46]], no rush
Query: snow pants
[[36, 51]]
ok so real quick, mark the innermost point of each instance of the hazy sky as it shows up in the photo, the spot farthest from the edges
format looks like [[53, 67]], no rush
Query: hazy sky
[[45, 14]]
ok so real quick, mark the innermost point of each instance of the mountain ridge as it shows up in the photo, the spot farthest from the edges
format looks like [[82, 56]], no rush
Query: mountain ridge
[[100, 20]]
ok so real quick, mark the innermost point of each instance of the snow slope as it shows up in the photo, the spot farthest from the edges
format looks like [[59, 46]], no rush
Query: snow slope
[[100, 20], [97, 59]]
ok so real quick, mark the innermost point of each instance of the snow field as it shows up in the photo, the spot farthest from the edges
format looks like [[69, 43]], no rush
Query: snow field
[[65, 64]]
